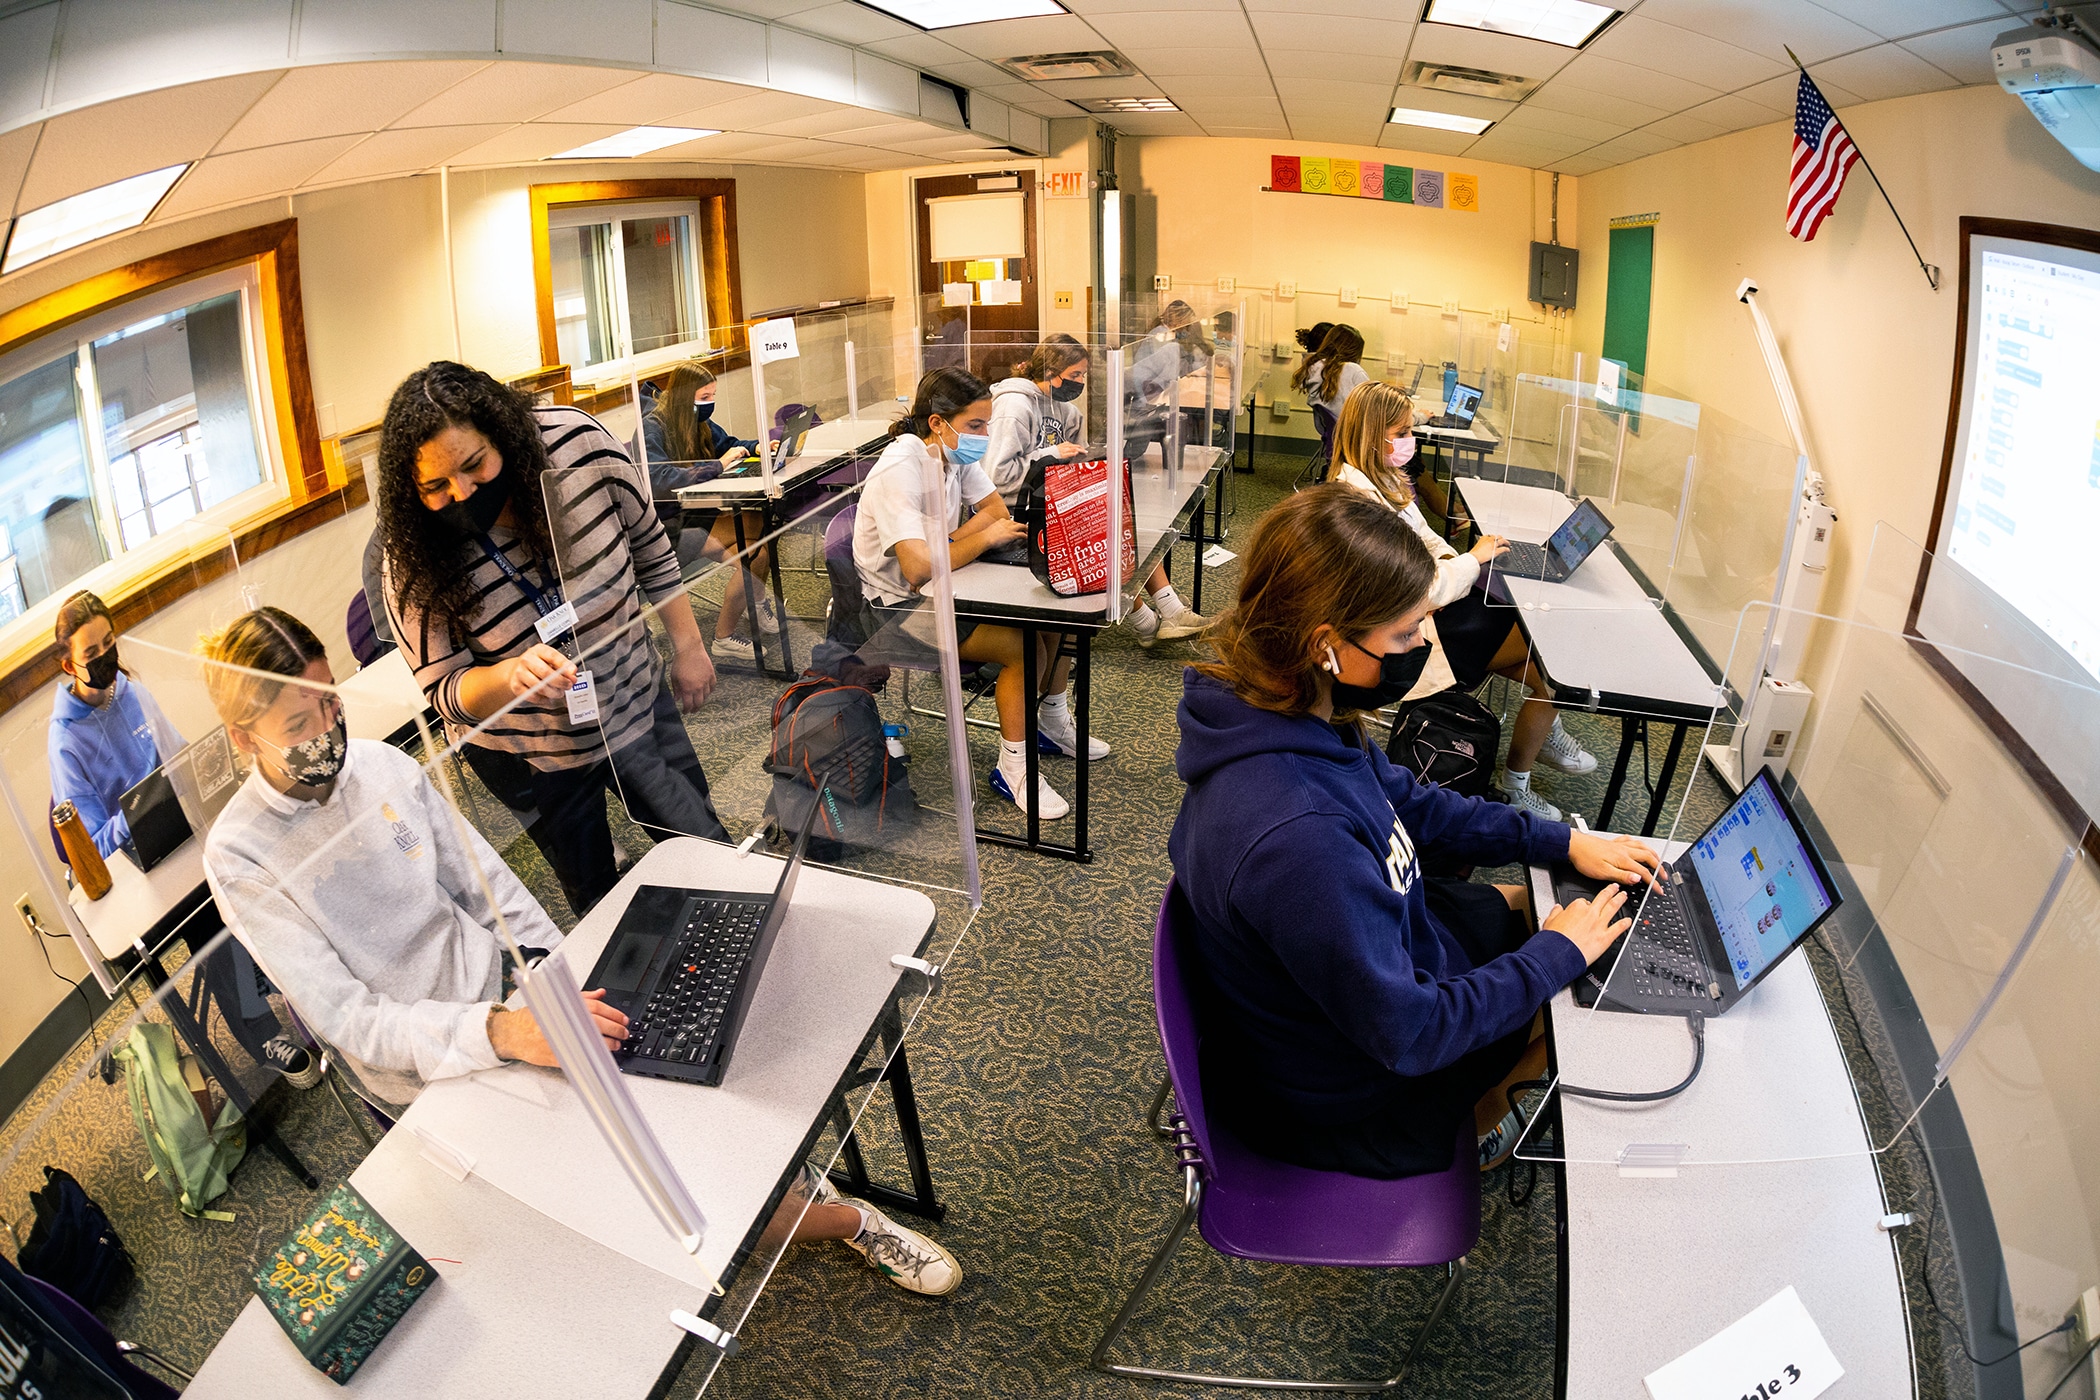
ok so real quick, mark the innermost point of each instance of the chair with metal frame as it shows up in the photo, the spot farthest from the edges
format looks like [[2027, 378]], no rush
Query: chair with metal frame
[[1253, 1207]]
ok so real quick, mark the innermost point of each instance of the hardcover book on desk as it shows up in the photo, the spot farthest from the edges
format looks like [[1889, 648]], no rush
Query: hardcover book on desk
[[341, 1282]]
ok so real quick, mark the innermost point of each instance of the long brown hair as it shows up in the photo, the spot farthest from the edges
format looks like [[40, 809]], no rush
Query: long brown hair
[[674, 409], [1374, 410], [1327, 554], [1344, 347], [1058, 353]]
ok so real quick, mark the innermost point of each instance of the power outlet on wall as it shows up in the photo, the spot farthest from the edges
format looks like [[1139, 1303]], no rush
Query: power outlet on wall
[[1227, 284], [1062, 301], [1161, 282], [1348, 296], [1285, 291], [1399, 300], [26, 907], [1450, 308], [1279, 410]]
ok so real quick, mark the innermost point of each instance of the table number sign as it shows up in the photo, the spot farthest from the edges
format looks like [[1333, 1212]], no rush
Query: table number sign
[[1774, 1353]]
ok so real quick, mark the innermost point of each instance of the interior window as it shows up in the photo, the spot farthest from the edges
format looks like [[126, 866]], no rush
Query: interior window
[[626, 281]]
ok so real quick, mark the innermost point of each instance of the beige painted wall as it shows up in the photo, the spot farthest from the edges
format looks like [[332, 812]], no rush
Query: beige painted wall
[[372, 268]]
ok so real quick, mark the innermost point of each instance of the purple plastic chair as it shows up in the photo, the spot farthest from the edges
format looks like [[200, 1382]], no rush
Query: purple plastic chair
[[1251, 1207], [118, 1356]]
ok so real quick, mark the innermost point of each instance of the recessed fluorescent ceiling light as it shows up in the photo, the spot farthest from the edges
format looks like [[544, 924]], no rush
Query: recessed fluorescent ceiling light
[[1569, 23], [87, 216], [946, 14], [1442, 121], [1127, 104], [637, 141]]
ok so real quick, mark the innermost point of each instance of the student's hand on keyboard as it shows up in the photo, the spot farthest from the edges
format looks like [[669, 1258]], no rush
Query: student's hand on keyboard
[[1590, 924], [1626, 859], [515, 1035], [1488, 548]]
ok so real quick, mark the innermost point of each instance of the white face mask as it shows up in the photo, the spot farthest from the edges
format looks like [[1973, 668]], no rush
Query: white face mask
[[1400, 451]]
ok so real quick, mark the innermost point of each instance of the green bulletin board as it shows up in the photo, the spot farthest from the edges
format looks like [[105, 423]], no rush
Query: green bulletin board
[[1628, 281]]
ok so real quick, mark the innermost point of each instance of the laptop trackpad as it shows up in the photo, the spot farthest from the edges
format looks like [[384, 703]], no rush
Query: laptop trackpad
[[630, 963]]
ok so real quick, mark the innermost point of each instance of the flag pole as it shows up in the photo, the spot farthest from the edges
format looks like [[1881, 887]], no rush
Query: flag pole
[[1932, 273]]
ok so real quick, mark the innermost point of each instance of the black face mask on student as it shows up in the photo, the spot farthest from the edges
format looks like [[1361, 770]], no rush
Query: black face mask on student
[[1066, 390], [703, 409], [478, 512], [101, 673], [1397, 673]]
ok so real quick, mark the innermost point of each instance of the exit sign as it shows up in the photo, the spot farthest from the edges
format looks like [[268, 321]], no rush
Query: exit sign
[[1067, 184]]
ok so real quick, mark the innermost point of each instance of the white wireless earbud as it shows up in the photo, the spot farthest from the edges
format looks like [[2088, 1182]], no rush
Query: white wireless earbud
[[1334, 667]]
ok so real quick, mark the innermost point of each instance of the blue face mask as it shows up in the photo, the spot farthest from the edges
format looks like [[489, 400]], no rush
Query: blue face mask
[[969, 448], [703, 409]]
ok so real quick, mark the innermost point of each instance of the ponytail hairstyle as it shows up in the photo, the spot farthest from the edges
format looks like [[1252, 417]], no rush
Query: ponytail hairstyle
[[1329, 554], [946, 391], [1309, 339], [1058, 353], [77, 612], [422, 556], [246, 653], [1343, 346], [1373, 411], [674, 409]]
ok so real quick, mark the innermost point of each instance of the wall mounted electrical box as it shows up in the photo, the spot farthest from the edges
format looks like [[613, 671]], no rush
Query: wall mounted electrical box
[[1553, 269]]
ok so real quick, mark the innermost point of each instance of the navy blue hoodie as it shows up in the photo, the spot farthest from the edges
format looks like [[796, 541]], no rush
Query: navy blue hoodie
[[1297, 848]]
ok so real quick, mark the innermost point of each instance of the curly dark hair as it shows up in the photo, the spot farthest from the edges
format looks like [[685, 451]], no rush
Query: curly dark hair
[[424, 559]]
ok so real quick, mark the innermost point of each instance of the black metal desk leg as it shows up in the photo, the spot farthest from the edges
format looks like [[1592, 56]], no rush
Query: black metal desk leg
[[1030, 734], [767, 525], [1082, 688], [1202, 499], [1662, 786], [207, 1054], [1627, 727]]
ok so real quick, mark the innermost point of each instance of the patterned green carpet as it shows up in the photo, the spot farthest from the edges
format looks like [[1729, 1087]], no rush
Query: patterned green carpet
[[1034, 1068]]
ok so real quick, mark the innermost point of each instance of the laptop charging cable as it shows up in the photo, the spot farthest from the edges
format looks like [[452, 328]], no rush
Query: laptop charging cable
[[1695, 1022]]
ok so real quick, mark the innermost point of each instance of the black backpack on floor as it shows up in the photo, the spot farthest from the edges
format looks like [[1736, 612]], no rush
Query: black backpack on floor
[[73, 1247], [1449, 739]]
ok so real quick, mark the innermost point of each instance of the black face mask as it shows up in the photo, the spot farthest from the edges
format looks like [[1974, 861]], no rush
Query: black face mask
[[478, 512], [1066, 390], [703, 410], [101, 673], [1397, 673]]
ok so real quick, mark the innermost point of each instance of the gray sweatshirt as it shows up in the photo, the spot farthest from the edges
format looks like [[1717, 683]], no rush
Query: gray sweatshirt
[[1026, 424], [366, 911]]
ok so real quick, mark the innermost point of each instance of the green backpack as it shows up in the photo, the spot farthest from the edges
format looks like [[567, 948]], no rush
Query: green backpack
[[192, 1158]]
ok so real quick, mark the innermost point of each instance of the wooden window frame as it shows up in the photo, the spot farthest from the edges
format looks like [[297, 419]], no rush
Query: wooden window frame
[[721, 274], [320, 486]]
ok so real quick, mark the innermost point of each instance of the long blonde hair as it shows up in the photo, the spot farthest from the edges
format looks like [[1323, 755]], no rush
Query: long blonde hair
[[1371, 413], [246, 653]]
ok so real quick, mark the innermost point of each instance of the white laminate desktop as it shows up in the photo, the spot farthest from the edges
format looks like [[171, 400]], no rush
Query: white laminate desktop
[[1656, 1265], [137, 899]]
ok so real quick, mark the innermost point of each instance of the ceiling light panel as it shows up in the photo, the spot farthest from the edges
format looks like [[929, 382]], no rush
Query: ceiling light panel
[[946, 14], [1569, 23], [1127, 104], [636, 141], [87, 216], [1442, 121]]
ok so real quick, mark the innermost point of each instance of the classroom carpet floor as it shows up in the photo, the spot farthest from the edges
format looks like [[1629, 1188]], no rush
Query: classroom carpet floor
[[1034, 1067]]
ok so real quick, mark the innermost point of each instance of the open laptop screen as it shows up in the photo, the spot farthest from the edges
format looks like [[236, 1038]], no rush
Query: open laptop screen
[[1464, 400], [1763, 884], [1579, 535]]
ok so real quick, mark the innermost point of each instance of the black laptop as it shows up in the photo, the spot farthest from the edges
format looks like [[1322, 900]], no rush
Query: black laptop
[[1738, 900], [684, 965], [1560, 556], [158, 824], [1459, 409]]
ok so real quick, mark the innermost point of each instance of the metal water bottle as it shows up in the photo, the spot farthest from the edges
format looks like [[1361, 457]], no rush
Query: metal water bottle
[[88, 868]]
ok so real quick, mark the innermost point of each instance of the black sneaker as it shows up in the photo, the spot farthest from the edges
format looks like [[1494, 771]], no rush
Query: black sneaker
[[294, 1061]]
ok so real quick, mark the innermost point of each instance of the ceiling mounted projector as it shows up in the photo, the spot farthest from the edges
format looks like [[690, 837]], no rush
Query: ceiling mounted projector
[[2057, 74]]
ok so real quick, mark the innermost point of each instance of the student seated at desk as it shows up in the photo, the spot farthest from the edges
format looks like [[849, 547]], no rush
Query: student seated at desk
[[1035, 422], [685, 447], [1357, 1012], [107, 735], [1375, 446], [951, 414], [1331, 373]]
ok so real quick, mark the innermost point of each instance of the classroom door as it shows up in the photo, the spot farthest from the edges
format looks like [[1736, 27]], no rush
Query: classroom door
[[977, 260]]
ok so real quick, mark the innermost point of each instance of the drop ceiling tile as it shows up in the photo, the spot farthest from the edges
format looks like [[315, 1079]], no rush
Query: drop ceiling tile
[[15, 147], [1348, 67], [402, 152], [1895, 19], [1078, 89], [619, 31], [374, 28], [1605, 106], [1456, 104], [1962, 53], [522, 145], [1596, 73], [1882, 72], [1007, 38], [1684, 126], [766, 9], [336, 99], [1579, 165], [249, 175], [1565, 124], [1776, 95], [752, 110], [1417, 141], [1377, 95], [1766, 26], [888, 134], [709, 44], [1633, 145], [1011, 92], [96, 145], [513, 91], [1222, 67], [1089, 9], [1347, 9], [729, 145], [1050, 109], [647, 101], [1686, 53], [25, 58], [920, 50], [131, 45], [1173, 29], [1333, 33], [971, 72], [1732, 114], [849, 23], [832, 123], [1497, 53], [1227, 109], [1263, 133], [1154, 123], [1515, 150]]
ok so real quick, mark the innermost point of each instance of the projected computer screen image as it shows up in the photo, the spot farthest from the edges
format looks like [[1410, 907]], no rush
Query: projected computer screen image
[[1760, 881]]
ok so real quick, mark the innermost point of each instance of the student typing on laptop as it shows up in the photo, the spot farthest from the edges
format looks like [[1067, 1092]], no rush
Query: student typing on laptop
[[1359, 1010]]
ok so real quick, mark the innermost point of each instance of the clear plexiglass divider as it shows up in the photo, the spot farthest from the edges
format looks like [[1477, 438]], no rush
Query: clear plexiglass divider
[[1865, 957]]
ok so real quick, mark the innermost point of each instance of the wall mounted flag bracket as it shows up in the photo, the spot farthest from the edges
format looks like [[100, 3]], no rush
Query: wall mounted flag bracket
[[1931, 270]]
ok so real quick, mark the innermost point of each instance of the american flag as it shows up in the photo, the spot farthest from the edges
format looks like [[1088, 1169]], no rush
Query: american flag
[[1823, 152]]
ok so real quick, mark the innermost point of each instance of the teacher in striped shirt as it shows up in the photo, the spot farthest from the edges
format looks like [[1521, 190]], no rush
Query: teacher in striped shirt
[[536, 653]]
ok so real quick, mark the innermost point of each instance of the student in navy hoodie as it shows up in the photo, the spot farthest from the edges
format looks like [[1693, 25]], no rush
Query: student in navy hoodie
[[1356, 1012]]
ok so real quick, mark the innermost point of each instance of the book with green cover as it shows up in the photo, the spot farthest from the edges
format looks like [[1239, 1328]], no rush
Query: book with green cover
[[341, 1282]]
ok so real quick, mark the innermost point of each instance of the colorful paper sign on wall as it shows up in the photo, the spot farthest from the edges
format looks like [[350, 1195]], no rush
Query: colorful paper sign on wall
[[1429, 189], [1370, 181], [1314, 175], [1464, 193], [1400, 183], [983, 271], [1283, 172], [1343, 175]]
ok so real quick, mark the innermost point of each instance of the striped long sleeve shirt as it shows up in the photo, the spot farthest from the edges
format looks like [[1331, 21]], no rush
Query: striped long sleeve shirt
[[612, 553]]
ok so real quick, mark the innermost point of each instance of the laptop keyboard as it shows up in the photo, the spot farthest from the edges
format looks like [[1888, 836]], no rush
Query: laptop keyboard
[[683, 1020], [1661, 960], [1522, 561]]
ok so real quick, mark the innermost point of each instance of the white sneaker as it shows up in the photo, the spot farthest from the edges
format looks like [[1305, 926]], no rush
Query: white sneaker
[[1145, 623], [769, 615], [734, 649], [1012, 787], [1062, 737], [1186, 623], [1525, 800], [1562, 753], [903, 1256]]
